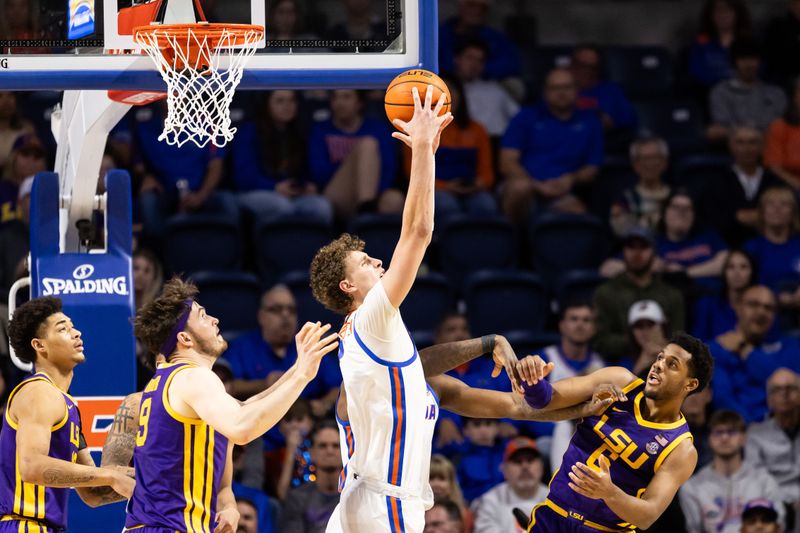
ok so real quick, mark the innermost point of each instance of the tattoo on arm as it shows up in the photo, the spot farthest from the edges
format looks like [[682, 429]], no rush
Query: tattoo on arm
[[54, 476], [103, 495], [122, 417], [443, 357], [121, 440]]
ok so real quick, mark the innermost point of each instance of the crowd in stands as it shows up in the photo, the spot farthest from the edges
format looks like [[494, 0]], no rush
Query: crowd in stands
[[661, 208]]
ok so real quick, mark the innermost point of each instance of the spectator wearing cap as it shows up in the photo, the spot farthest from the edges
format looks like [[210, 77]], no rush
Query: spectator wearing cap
[[774, 443], [760, 516], [488, 102], [572, 356], [713, 499], [649, 331], [744, 99], [27, 159], [471, 22], [745, 357], [549, 149], [730, 202], [640, 205], [614, 298], [522, 469]]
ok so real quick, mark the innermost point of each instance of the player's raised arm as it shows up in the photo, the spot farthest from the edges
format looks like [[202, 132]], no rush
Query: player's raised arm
[[421, 134], [459, 398], [641, 512], [38, 407], [203, 392], [541, 394]]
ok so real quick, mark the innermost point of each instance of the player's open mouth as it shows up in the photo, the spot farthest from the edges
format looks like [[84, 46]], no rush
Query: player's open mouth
[[79, 346], [653, 379]]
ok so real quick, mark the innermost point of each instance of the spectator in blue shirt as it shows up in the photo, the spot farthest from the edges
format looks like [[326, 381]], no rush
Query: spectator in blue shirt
[[259, 358], [270, 166], [352, 158], [470, 22], [714, 314], [744, 359], [478, 458], [550, 148], [721, 23], [175, 179], [603, 96], [777, 249]]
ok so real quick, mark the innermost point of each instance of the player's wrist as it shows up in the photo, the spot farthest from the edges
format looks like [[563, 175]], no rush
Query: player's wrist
[[538, 395], [488, 343]]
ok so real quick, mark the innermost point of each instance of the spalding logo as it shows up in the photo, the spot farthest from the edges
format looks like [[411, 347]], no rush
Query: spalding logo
[[80, 284]]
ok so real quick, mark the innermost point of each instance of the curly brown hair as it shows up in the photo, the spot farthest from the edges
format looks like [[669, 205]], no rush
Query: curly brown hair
[[29, 318], [156, 319], [328, 269]]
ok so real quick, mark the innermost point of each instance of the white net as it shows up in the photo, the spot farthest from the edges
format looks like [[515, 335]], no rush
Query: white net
[[202, 65]]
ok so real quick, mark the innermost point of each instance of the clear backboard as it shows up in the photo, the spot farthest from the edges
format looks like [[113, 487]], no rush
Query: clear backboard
[[87, 44]]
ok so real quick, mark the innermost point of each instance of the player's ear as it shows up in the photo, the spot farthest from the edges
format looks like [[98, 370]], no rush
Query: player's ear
[[185, 339], [37, 344], [346, 286], [692, 384]]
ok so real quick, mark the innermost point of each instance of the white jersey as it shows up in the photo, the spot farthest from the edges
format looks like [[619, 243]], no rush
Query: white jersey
[[391, 410]]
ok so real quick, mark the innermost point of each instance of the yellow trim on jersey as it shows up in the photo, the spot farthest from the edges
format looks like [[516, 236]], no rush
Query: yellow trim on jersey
[[165, 400], [187, 470], [16, 389], [653, 425], [32, 525], [588, 523], [197, 478], [17, 486], [40, 501], [672, 445], [532, 521], [134, 527], [632, 385], [209, 481]]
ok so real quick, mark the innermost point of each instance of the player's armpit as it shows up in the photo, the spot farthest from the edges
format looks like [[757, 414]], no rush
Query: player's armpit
[[573, 391], [674, 472], [121, 440]]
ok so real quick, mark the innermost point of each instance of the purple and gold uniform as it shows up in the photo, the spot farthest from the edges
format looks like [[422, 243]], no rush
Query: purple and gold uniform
[[635, 449], [179, 463], [29, 508]]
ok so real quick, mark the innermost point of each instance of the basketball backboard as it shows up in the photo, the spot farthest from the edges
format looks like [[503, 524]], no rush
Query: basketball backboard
[[84, 44]]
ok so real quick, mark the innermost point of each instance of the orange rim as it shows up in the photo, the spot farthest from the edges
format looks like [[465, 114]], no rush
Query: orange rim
[[213, 31]]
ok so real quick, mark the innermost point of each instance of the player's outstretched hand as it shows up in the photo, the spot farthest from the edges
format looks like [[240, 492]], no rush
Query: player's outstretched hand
[[505, 358], [426, 125], [311, 347], [604, 395], [227, 520], [533, 369], [590, 482], [122, 483]]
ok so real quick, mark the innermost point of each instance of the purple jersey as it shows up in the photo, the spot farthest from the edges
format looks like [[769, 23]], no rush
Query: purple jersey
[[46, 505], [634, 447], [179, 463]]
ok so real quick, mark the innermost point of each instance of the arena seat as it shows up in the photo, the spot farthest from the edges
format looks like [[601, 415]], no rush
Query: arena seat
[[505, 300], [308, 308], [232, 297], [197, 242], [642, 71], [429, 300], [286, 245], [468, 244]]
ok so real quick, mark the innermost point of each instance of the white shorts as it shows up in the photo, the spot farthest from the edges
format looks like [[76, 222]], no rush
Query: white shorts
[[364, 508]]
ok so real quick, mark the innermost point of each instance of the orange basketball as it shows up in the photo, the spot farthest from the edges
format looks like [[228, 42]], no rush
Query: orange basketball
[[399, 100]]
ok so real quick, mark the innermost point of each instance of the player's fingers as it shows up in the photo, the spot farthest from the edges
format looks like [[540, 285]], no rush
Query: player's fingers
[[577, 479], [604, 464], [620, 394], [578, 490], [496, 370], [585, 469], [524, 371], [301, 335], [428, 97], [319, 332], [324, 343], [547, 369], [415, 96], [402, 124], [402, 137], [440, 104]]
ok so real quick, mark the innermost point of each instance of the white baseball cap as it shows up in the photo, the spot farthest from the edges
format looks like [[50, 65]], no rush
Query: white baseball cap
[[646, 310]]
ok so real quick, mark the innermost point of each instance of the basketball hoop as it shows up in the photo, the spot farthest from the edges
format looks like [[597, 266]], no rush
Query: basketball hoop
[[202, 65]]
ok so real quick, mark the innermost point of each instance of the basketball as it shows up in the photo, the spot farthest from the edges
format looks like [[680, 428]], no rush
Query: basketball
[[399, 100]]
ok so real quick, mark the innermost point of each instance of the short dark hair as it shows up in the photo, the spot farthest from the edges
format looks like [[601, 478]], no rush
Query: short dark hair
[[573, 303], [301, 408], [155, 320], [725, 417], [742, 48], [701, 364], [472, 42], [325, 423], [452, 508], [29, 318]]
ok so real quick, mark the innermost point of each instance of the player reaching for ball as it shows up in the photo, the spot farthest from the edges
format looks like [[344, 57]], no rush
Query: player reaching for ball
[[622, 467], [388, 401]]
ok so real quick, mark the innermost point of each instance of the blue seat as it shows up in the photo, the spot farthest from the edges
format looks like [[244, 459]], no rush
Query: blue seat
[[578, 286], [197, 242], [308, 308], [643, 71], [429, 300], [380, 233], [232, 297], [469, 244], [679, 122], [501, 300], [527, 342], [559, 243], [540, 60], [288, 245], [696, 172]]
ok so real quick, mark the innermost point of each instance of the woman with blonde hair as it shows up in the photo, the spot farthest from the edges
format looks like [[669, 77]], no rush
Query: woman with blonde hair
[[444, 485]]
